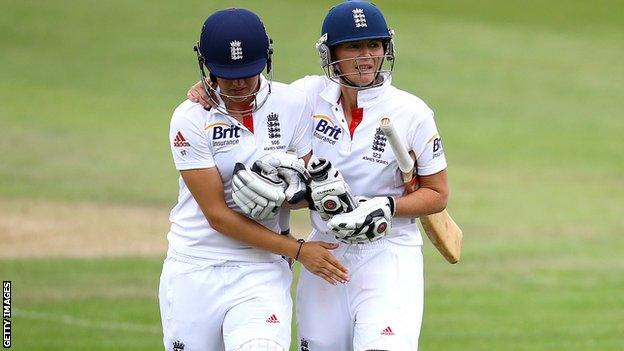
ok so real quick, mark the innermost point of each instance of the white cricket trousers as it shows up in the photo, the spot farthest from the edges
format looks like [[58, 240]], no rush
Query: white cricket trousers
[[380, 308], [220, 305]]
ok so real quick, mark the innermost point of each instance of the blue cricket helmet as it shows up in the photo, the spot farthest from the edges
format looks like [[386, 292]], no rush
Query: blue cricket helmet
[[354, 21], [234, 44]]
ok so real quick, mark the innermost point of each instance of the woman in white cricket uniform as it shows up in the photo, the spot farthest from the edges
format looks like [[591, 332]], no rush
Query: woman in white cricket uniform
[[224, 285], [381, 307]]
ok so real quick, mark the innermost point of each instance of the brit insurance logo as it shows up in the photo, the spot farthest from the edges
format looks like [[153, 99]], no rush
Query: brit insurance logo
[[436, 143], [325, 129], [224, 134]]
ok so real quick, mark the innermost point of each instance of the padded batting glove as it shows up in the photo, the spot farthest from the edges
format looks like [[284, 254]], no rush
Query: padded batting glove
[[291, 170], [370, 221], [329, 193], [258, 192]]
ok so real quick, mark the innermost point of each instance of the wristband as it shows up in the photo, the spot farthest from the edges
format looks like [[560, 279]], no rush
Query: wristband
[[300, 241], [391, 201], [285, 232]]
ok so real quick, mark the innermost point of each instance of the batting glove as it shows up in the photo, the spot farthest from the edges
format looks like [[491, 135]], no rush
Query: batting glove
[[370, 221], [258, 192], [292, 171], [329, 193]]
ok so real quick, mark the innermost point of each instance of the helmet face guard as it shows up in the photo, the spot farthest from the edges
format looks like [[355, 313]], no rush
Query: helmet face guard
[[215, 95], [353, 21], [330, 65]]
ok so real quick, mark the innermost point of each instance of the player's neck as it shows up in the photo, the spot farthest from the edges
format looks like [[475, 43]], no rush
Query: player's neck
[[239, 109], [348, 97], [348, 100]]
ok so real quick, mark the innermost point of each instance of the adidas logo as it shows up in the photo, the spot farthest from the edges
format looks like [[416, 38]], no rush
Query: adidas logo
[[179, 141], [272, 319], [387, 331]]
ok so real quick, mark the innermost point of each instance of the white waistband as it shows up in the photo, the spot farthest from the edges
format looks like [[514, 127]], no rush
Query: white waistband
[[190, 254]]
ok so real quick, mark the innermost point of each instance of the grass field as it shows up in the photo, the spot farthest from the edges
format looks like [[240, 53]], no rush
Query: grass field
[[527, 94]]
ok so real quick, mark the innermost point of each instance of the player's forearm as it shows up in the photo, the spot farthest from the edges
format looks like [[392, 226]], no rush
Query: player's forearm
[[423, 201], [241, 228], [206, 187]]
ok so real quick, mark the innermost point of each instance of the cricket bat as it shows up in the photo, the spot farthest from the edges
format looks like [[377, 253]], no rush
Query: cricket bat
[[441, 229]]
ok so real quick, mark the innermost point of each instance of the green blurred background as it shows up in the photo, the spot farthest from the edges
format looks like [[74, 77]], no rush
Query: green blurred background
[[528, 97]]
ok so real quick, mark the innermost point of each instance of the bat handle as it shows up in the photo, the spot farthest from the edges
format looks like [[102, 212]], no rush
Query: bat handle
[[411, 186], [410, 182], [407, 177]]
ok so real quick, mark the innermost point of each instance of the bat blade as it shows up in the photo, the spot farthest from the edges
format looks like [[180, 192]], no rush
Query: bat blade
[[444, 234], [441, 229]]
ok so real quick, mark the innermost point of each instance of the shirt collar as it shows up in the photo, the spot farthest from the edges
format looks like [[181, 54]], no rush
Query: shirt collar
[[331, 93], [369, 97]]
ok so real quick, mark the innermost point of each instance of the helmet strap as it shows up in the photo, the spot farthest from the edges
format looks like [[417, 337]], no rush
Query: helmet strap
[[269, 65]]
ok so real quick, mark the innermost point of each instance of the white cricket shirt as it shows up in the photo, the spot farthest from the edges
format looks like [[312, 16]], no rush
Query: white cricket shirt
[[205, 139], [365, 159]]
